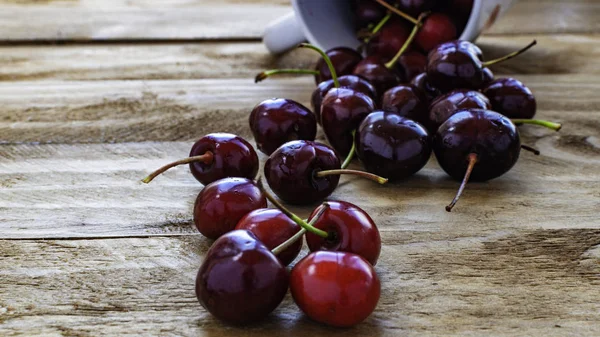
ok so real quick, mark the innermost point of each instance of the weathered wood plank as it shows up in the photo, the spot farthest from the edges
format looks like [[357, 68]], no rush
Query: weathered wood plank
[[555, 54], [526, 282], [195, 19]]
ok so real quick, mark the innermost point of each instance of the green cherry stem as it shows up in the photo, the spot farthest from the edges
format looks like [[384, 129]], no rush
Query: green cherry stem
[[378, 27], [350, 155], [287, 243], [336, 83], [540, 122], [291, 215], [406, 44], [398, 12], [472, 161], [509, 56], [366, 175], [206, 158], [267, 73]]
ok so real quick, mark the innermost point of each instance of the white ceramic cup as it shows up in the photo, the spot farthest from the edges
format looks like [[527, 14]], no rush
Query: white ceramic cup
[[328, 24]]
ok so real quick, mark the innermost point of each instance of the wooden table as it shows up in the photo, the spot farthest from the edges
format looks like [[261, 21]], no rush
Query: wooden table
[[94, 94]]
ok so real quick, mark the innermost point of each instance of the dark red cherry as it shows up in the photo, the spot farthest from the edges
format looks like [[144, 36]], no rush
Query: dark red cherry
[[221, 205], [446, 105], [388, 41], [488, 76], [415, 7], [278, 120], [511, 98], [240, 281], [217, 156], [455, 65], [476, 145], [342, 111], [437, 28], [350, 229], [336, 288], [273, 228], [421, 83], [406, 101], [380, 76], [291, 172], [348, 81], [392, 146], [344, 61], [367, 12], [411, 64]]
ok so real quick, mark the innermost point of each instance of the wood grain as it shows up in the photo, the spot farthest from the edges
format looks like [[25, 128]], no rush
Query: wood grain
[[85, 20]]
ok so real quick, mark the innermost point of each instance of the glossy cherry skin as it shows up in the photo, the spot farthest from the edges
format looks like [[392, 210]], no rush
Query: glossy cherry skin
[[392, 146], [221, 205], [350, 230], [291, 172], [278, 120], [335, 288], [348, 81], [388, 41], [446, 105], [511, 98], [273, 228], [407, 101], [377, 74], [421, 83], [493, 137], [233, 156], [411, 64], [342, 111], [415, 7], [367, 12], [455, 65], [437, 28], [488, 76], [344, 61], [240, 281]]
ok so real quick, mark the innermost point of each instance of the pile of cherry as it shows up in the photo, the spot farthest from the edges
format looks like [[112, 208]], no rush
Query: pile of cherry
[[453, 108]]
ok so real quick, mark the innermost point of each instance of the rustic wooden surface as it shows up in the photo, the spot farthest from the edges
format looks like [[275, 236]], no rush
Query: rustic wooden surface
[[87, 250]]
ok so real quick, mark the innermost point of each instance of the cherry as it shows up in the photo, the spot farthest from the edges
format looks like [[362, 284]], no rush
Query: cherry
[[388, 41], [420, 82], [278, 120], [437, 28], [240, 281], [221, 205], [336, 288], [352, 82], [392, 146], [488, 76], [217, 156], [411, 64], [446, 105], [367, 12], [476, 145], [511, 98], [458, 65], [342, 110], [415, 7], [304, 172], [407, 101], [344, 61], [272, 227], [349, 229]]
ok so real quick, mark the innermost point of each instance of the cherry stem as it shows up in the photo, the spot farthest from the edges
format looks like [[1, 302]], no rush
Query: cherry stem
[[363, 174], [407, 43], [509, 56], [289, 214], [472, 161], [262, 76], [531, 149], [287, 243], [540, 122], [336, 83], [398, 12], [350, 155], [206, 158], [378, 27]]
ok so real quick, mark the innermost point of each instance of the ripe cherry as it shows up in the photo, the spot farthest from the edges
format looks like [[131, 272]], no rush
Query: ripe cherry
[[352, 82], [278, 120], [392, 146], [217, 156], [415, 7], [476, 145], [446, 105], [420, 82], [411, 64], [437, 28], [388, 41], [349, 229], [336, 288], [344, 61], [221, 205], [407, 101], [240, 281], [511, 98], [272, 227], [305, 172], [367, 12]]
